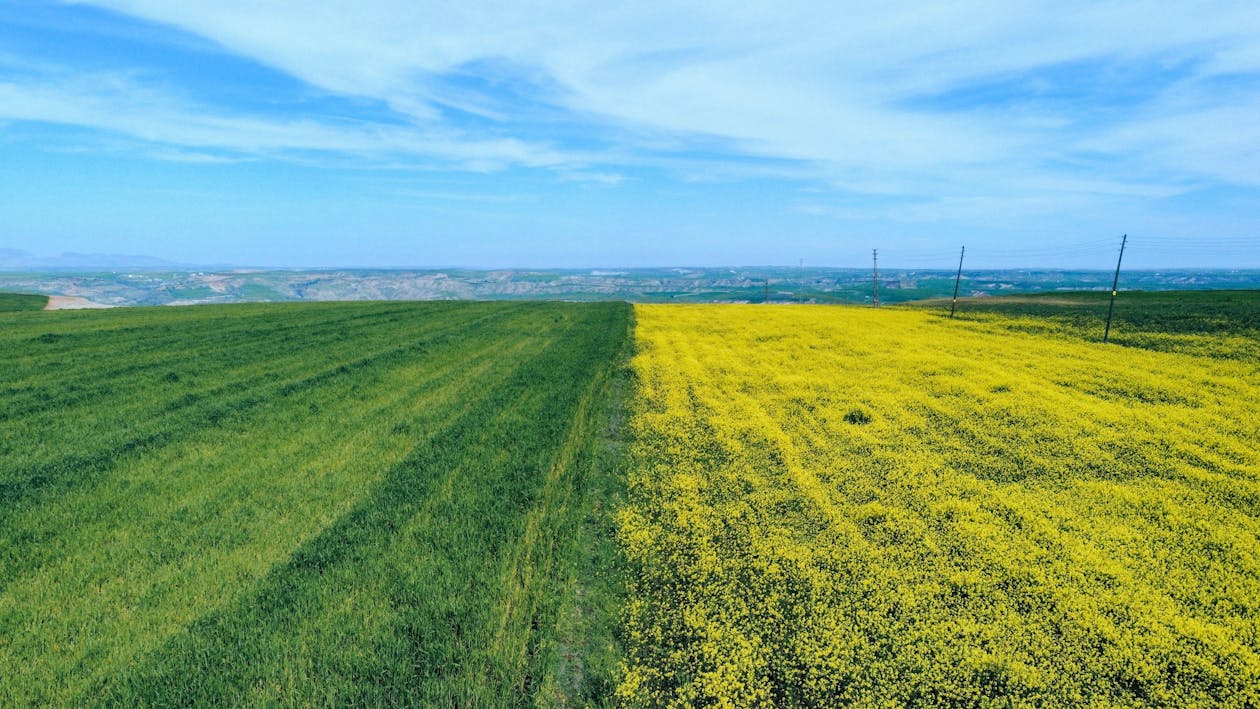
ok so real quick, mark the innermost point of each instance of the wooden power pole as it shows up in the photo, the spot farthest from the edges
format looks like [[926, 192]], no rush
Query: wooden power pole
[[1114, 282], [957, 279]]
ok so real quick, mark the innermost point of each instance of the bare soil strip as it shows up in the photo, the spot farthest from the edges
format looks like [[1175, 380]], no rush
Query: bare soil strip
[[71, 302]]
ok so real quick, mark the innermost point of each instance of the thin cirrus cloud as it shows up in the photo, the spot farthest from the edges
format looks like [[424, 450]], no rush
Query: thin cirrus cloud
[[125, 104], [921, 86]]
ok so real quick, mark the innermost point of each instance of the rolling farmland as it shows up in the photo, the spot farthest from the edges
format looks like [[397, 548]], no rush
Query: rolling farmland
[[492, 504], [307, 504], [881, 507]]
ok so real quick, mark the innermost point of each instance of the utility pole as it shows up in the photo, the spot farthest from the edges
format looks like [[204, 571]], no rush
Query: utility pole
[[875, 276], [957, 279], [1114, 282], [766, 298]]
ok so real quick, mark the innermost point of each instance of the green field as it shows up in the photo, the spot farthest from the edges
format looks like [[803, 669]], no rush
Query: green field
[[494, 504], [309, 504], [1223, 323], [10, 302]]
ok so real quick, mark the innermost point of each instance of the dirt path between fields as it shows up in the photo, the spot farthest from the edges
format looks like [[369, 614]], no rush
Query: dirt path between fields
[[71, 302]]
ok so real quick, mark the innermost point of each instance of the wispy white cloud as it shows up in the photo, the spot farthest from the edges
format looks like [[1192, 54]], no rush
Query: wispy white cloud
[[594, 177], [192, 157], [449, 196], [1212, 143], [825, 93], [126, 105]]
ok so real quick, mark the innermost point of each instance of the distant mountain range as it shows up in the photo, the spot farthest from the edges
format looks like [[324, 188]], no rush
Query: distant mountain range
[[19, 260]]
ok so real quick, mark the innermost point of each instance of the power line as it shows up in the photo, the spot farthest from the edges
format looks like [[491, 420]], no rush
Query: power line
[[1203, 240], [1168, 252]]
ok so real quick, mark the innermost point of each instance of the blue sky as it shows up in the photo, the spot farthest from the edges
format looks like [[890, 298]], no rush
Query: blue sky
[[414, 134]]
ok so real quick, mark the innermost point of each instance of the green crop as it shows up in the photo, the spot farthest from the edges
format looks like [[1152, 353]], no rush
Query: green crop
[[1223, 324], [309, 503], [413, 504], [10, 302]]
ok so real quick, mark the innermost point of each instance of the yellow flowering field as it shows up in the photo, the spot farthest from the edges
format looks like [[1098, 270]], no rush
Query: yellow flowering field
[[833, 505]]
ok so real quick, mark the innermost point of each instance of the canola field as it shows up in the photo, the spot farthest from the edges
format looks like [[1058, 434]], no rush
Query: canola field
[[491, 504], [832, 506]]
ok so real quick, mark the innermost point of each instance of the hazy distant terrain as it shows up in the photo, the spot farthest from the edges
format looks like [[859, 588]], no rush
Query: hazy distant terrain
[[752, 284]]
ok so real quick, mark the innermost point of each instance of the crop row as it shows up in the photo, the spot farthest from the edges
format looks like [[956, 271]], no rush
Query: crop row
[[349, 503]]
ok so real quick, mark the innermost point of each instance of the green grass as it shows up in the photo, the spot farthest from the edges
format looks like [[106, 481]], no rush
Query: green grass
[[1221, 323], [10, 302], [382, 503]]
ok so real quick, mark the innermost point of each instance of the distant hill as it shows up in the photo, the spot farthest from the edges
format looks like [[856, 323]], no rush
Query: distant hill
[[170, 285], [19, 260]]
